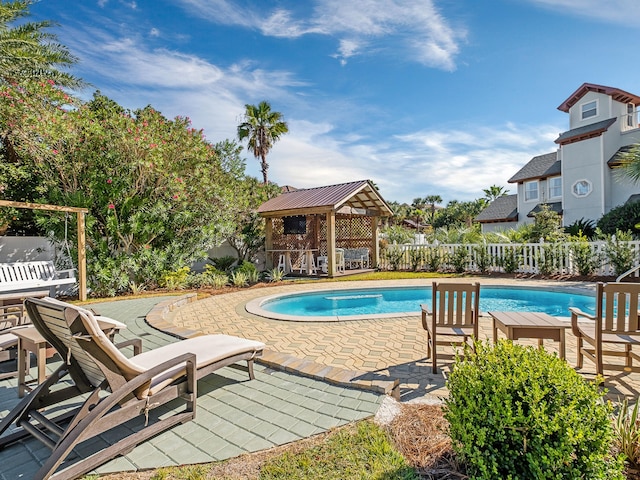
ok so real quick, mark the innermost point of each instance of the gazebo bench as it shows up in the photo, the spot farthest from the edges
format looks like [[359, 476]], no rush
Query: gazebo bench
[[36, 275], [356, 257]]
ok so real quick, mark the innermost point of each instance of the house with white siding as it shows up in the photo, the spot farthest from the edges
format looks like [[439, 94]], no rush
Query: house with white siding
[[578, 180]]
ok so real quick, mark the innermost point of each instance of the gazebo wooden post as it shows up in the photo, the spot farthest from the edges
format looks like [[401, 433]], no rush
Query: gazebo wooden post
[[268, 243], [374, 240], [331, 243], [82, 258]]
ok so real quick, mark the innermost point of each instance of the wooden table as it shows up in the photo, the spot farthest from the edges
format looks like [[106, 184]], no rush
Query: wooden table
[[516, 325], [30, 341]]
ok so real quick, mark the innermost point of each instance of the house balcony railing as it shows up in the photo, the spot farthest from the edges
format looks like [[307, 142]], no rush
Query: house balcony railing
[[629, 121]]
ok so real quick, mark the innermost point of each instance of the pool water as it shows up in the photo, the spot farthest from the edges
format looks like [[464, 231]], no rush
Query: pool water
[[408, 299]]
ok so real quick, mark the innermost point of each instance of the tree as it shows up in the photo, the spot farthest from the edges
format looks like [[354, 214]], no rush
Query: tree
[[433, 200], [418, 210], [157, 191], [630, 163], [262, 128], [27, 51], [493, 192]]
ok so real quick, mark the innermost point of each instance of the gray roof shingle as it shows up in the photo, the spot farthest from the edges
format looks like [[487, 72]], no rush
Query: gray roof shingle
[[542, 166], [588, 131], [553, 206], [502, 209]]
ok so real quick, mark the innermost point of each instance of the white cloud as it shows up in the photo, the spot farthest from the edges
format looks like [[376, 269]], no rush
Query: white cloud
[[154, 32], [614, 11], [414, 27]]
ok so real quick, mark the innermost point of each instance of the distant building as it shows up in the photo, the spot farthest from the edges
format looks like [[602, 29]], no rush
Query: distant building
[[578, 179]]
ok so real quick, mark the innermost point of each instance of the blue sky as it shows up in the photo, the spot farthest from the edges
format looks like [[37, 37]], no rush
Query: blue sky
[[423, 97]]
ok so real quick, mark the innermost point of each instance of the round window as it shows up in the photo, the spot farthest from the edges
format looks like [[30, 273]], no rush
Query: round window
[[582, 188]]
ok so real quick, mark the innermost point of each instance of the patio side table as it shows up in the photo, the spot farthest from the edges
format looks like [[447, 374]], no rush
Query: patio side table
[[516, 325], [30, 341]]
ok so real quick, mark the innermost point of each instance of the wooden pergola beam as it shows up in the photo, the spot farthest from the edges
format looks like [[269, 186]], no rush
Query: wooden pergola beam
[[82, 256]]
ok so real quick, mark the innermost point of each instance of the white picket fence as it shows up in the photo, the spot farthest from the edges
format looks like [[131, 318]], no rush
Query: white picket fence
[[530, 257]]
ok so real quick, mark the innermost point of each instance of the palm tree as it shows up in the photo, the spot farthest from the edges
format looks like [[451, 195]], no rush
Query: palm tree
[[433, 200], [27, 52], [630, 163], [263, 128], [418, 210], [494, 191]]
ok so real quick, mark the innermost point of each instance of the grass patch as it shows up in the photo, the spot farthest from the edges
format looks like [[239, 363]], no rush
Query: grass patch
[[360, 451]]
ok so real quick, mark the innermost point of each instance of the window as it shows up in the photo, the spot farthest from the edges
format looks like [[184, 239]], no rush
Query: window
[[581, 188], [530, 191], [295, 225], [555, 187], [589, 109]]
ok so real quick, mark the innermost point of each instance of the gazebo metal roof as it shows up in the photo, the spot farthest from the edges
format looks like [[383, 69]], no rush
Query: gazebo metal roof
[[359, 198]]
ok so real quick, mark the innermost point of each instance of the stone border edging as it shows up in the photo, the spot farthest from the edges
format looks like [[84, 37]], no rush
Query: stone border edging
[[158, 318]]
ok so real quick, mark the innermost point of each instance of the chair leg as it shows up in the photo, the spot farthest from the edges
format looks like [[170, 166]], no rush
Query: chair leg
[[579, 357], [428, 344], [434, 348], [598, 355]]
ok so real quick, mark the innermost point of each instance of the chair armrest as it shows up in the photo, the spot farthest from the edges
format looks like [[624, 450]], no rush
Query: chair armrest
[[136, 343], [68, 273], [579, 313], [425, 313], [575, 313]]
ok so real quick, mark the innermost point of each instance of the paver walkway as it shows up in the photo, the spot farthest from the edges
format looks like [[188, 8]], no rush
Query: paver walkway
[[389, 348], [234, 415]]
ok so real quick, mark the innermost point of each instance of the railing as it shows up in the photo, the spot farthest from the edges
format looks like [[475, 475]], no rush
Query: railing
[[533, 258]]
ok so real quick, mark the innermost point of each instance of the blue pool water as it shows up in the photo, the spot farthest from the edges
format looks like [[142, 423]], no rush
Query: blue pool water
[[408, 299]]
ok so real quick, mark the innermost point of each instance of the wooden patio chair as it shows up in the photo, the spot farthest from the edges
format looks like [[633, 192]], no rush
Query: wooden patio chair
[[12, 317], [454, 316], [109, 389], [612, 331]]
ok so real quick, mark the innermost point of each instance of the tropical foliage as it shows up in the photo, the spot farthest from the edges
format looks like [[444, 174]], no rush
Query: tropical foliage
[[158, 193], [28, 51]]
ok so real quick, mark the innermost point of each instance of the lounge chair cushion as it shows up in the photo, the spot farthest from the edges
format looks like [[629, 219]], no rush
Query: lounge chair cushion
[[208, 349]]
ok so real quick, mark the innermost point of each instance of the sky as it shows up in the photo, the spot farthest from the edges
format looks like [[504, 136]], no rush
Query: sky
[[422, 97]]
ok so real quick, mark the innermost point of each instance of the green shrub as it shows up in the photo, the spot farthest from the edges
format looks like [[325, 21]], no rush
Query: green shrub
[[510, 259], [482, 257], [223, 264], [546, 259], [627, 427], [176, 279], [250, 270], [275, 275], [239, 278], [619, 252], [623, 217], [433, 258], [517, 412], [460, 259], [586, 260], [394, 256], [581, 227], [219, 280], [416, 257]]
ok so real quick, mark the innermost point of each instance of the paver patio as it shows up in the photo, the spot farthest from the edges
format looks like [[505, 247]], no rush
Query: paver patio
[[279, 406]]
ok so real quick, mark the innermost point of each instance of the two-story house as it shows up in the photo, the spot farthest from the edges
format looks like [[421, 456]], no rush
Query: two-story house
[[578, 180]]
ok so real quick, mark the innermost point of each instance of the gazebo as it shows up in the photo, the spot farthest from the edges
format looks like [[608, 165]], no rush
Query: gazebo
[[321, 219]]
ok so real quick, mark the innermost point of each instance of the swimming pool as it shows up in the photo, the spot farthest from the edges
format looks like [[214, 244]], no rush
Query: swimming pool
[[376, 302]]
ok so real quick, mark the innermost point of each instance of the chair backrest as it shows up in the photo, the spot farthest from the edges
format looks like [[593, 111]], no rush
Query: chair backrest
[[340, 257], [48, 316], [76, 335], [455, 304], [617, 307]]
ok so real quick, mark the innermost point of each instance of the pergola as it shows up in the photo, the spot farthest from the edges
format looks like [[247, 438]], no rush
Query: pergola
[[325, 218], [80, 212]]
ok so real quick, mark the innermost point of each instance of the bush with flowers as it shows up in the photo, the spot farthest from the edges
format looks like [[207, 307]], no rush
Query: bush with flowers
[[159, 194]]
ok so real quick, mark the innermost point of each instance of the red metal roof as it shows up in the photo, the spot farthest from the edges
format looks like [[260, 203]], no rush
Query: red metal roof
[[617, 94], [359, 197]]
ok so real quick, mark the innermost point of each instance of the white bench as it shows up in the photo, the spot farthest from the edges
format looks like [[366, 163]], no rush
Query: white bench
[[21, 276], [356, 257]]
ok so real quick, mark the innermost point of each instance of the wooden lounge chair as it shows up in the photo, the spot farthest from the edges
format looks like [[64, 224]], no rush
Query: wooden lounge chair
[[612, 331], [454, 315], [114, 388], [12, 317]]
